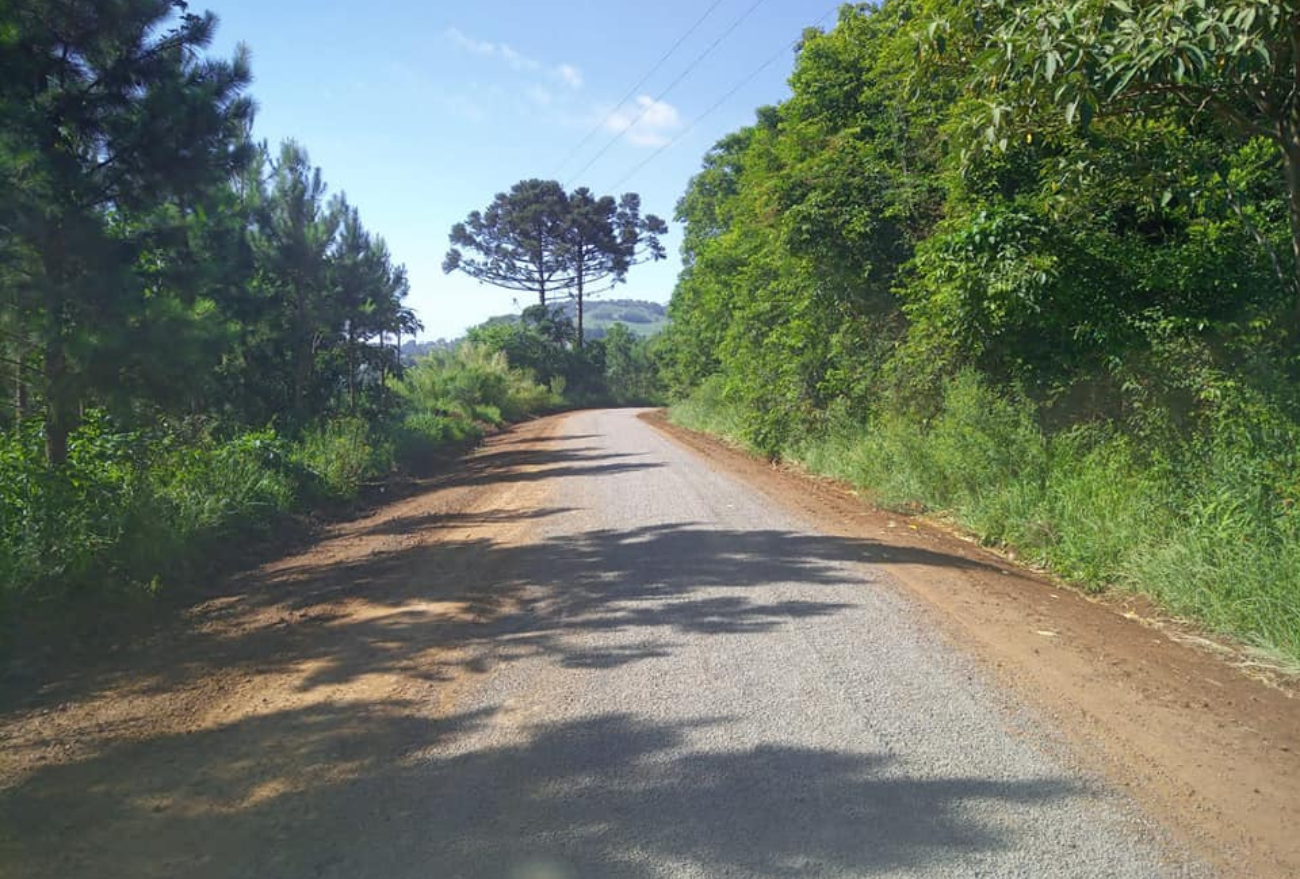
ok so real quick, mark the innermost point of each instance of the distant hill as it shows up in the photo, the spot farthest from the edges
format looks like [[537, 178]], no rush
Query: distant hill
[[411, 351], [642, 318]]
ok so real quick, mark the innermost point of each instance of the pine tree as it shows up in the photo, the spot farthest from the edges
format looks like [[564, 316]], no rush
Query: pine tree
[[114, 126]]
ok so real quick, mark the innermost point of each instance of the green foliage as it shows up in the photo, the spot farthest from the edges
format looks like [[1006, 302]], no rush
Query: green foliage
[[1209, 528], [475, 383], [708, 409], [341, 454], [631, 371], [1026, 265], [135, 511], [423, 439], [130, 508], [167, 288]]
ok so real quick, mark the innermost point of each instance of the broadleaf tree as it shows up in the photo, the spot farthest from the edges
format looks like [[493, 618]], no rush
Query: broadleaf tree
[[1235, 60]]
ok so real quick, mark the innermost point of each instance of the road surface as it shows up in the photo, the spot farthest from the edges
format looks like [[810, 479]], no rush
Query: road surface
[[587, 654], [696, 685]]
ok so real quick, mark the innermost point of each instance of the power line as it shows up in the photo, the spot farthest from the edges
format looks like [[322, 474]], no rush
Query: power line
[[744, 82], [633, 90], [735, 24]]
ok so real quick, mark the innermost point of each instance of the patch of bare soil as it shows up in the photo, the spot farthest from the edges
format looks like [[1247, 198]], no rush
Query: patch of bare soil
[[1205, 746], [298, 675]]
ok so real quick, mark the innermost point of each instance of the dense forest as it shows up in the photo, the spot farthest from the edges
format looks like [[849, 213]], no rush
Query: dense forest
[[1032, 266], [197, 338]]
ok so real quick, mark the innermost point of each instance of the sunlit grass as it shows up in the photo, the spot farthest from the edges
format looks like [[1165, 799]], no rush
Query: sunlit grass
[[1202, 527]]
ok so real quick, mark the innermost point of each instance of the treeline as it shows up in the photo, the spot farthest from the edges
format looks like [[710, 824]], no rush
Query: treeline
[[196, 337], [1033, 266]]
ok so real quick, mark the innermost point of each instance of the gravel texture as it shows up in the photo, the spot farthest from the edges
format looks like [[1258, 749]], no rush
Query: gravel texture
[[693, 685], [582, 652]]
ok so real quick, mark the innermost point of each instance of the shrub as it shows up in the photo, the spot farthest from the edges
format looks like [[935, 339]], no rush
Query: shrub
[[341, 455], [476, 383], [709, 409], [422, 439], [129, 508]]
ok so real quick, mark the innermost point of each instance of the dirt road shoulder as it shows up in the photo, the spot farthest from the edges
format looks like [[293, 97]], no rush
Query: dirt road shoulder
[[1207, 750]]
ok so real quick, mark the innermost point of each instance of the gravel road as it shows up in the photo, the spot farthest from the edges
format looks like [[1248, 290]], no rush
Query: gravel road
[[695, 685], [582, 653]]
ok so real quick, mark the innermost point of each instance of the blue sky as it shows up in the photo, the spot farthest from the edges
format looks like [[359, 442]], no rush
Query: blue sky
[[421, 112]]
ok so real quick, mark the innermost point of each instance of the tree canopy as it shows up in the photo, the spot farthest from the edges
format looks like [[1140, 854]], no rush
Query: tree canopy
[[537, 238], [929, 200], [1237, 61], [153, 259], [116, 128]]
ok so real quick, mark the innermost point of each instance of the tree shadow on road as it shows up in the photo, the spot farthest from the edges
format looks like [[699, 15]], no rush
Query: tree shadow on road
[[382, 788], [530, 465], [434, 609], [392, 795]]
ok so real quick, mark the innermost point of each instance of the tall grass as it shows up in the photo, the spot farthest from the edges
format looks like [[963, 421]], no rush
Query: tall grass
[[1207, 526], [341, 454], [474, 383], [133, 512], [129, 509], [709, 409]]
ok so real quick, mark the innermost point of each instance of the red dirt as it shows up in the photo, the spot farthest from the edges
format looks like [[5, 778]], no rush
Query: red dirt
[[301, 672], [1211, 751]]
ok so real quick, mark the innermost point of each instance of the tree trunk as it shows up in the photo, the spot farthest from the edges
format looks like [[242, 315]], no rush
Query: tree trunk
[[20, 385], [60, 411], [580, 332], [302, 353], [352, 372], [1291, 166], [60, 403]]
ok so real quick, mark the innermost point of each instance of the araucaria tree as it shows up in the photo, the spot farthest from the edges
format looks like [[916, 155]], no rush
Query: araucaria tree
[[603, 240], [537, 238]]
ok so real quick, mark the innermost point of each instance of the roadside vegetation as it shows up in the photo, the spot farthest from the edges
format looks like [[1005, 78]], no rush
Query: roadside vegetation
[[1032, 267], [198, 340]]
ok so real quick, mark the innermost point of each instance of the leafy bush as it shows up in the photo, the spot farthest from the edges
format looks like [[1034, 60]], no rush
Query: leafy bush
[[55, 525], [422, 439], [130, 508], [476, 383], [709, 409], [220, 490], [341, 455]]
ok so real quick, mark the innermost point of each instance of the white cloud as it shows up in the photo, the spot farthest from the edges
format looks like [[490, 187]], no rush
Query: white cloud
[[504, 51], [645, 122], [569, 75]]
